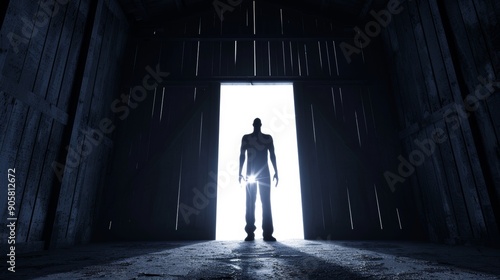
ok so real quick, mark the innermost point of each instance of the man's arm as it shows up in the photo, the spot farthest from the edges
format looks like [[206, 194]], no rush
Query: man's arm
[[273, 160], [242, 157]]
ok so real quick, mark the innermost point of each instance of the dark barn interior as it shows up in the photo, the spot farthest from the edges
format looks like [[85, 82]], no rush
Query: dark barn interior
[[109, 119]]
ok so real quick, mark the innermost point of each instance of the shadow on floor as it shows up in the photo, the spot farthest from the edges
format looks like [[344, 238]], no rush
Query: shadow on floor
[[266, 260], [55, 261]]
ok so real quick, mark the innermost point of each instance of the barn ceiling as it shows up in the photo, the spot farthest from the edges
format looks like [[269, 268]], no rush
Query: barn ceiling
[[150, 11]]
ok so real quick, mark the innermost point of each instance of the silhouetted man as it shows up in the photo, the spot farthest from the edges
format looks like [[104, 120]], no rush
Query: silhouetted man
[[256, 145]]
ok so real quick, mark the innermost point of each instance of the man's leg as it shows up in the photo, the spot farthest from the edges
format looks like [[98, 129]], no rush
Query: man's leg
[[251, 196], [267, 216]]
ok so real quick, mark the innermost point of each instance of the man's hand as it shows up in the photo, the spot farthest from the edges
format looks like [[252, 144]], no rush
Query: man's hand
[[241, 177], [276, 178]]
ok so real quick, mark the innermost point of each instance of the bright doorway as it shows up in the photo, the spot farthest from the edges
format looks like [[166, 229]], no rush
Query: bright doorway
[[274, 104]]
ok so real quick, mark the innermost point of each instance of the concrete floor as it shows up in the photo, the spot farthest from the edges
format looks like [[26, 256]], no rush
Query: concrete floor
[[290, 259]]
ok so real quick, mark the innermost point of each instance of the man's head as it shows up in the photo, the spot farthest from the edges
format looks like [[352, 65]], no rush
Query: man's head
[[257, 123]]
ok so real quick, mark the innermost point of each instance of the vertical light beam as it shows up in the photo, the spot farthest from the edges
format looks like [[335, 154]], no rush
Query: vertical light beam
[[201, 134], [336, 62], [357, 127], [162, 99], [154, 101], [378, 207], [350, 212], [313, 126], [399, 220], [178, 195]]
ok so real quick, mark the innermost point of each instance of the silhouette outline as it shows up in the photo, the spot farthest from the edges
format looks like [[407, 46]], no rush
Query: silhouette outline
[[257, 145]]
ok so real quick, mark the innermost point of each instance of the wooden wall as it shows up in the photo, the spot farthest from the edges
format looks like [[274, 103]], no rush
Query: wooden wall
[[168, 143], [347, 139], [58, 67], [439, 53]]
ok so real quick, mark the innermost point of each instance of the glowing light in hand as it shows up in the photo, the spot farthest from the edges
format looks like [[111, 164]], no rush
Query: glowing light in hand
[[251, 179]]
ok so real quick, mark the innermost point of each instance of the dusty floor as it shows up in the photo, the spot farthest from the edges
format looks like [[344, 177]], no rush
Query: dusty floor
[[290, 259]]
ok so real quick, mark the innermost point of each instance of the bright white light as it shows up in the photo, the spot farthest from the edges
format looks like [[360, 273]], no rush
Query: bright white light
[[274, 105], [251, 179]]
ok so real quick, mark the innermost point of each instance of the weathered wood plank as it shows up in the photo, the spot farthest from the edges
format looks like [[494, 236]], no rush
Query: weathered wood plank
[[40, 220], [424, 34], [421, 39], [42, 127], [464, 172], [276, 58], [226, 59], [13, 57], [314, 66], [465, 231], [24, 120], [410, 89], [6, 105], [206, 59], [15, 39], [92, 178], [291, 54], [476, 61], [262, 58], [301, 59], [85, 183], [62, 219], [35, 101], [9, 151], [244, 62], [487, 215]]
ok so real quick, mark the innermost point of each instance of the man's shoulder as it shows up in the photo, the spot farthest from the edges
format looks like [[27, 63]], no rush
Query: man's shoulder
[[257, 136], [267, 136], [246, 138]]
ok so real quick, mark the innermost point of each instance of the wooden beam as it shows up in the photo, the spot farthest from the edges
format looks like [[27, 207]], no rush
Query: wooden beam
[[33, 100], [241, 38], [262, 79]]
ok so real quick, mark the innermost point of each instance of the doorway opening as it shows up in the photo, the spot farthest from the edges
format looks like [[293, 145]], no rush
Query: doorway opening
[[240, 104]]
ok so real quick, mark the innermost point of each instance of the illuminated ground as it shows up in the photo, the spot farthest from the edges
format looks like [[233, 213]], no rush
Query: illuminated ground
[[291, 259]]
